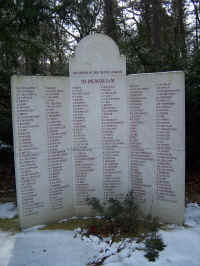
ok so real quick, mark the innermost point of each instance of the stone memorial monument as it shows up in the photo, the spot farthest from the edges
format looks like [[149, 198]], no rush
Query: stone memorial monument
[[98, 133]]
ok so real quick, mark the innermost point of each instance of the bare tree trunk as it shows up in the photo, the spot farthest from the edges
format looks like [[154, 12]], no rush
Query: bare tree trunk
[[196, 5], [146, 14], [156, 6], [109, 23], [179, 16]]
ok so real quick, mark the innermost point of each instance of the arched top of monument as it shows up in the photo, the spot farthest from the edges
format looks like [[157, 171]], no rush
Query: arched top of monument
[[97, 51], [97, 44]]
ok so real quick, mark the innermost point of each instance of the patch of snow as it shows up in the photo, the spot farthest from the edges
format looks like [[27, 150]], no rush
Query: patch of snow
[[7, 210], [63, 220], [113, 252], [34, 228], [7, 243], [48, 248], [4, 145], [182, 246], [192, 214]]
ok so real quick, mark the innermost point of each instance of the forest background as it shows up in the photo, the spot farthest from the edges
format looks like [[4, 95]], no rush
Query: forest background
[[39, 36]]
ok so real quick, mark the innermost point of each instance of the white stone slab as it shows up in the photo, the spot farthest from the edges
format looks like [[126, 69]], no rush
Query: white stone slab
[[98, 134], [157, 143], [99, 120], [42, 148]]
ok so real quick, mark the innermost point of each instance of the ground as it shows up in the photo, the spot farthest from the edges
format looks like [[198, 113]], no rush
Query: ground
[[36, 247]]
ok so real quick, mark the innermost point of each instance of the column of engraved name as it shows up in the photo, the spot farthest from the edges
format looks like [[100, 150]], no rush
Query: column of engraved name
[[110, 121], [57, 153], [82, 151], [28, 122], [164, 131], [139, 156]]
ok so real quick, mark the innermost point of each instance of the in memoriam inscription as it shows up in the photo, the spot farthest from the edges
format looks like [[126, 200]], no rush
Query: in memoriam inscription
[[98, 133]]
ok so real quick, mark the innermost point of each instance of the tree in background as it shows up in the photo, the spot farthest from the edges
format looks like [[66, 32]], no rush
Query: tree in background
[[37, 37], [79, 18], [196, 13], [111, 13]]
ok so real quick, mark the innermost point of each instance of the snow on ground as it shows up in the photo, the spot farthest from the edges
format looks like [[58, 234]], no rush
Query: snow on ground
[[7, 244], [7, 210], [44, 248], [59, 248]]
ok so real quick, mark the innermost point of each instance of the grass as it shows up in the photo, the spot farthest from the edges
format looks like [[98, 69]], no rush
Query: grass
[[193, 196], [71, 224], [10, 225], [142, 230]]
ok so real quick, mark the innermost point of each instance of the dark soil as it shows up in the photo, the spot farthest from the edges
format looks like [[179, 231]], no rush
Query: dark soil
[[192, 186], [7, 176]]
